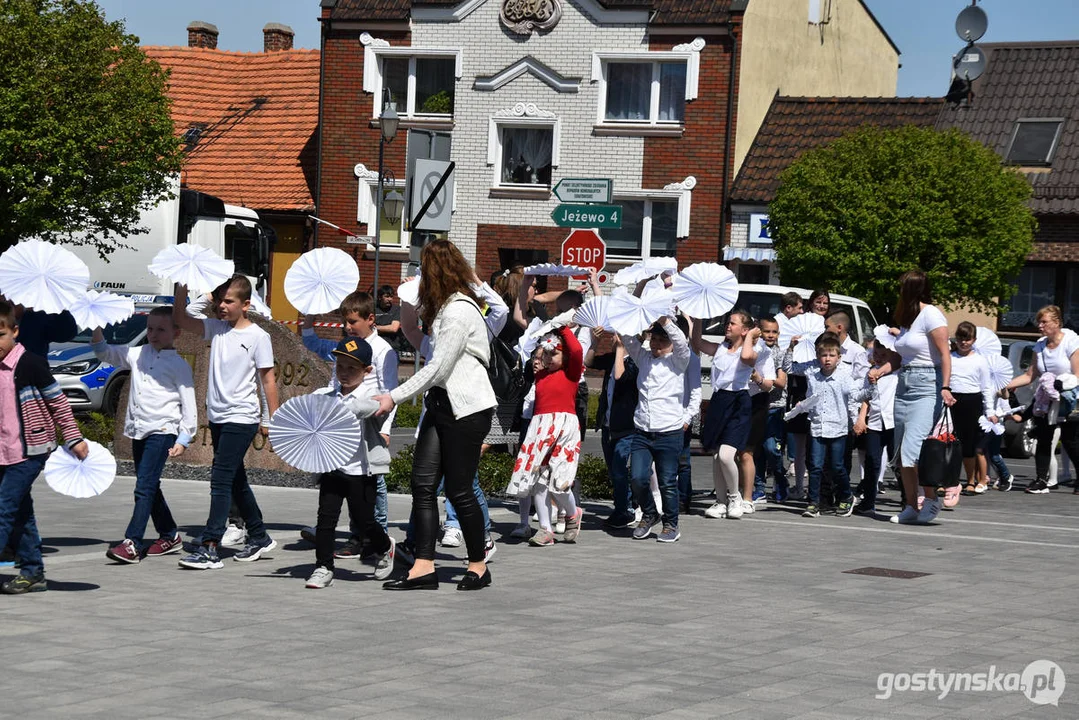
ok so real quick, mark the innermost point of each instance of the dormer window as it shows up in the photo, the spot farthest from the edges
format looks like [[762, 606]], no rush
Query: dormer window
[[1034, 142]]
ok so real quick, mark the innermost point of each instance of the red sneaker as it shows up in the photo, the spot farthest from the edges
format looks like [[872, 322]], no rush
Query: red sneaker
[[125, 552], [164, 546]]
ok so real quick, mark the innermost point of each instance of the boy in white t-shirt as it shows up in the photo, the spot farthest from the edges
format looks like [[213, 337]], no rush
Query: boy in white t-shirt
[[241, 358]]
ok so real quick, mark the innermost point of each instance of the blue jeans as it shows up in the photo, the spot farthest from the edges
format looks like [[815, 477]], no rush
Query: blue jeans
[[663, 449], [150, 455], [228, 482], [995, 459], [875, 443], [832, 451], [685, 469], [616, 454], [17, 510], [769, 457], [451, 513]]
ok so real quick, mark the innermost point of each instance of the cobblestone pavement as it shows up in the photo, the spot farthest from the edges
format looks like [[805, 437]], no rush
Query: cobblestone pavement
[[754, 618]]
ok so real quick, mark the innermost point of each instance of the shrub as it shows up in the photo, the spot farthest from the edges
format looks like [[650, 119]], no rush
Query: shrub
[[408, 415], [399, 478], [97, 427], [495, 471], [593, 479]]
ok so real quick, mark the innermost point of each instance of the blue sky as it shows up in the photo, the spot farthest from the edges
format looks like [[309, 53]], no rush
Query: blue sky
[[924, 30]]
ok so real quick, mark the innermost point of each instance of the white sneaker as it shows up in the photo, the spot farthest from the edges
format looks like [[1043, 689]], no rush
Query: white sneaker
[[909, 516], [522, 532], [452, 537], [734, 506], [489, 549], [930, 510], [321, 578], [748, 508], [718, 510], [384, 568], [234, 535]]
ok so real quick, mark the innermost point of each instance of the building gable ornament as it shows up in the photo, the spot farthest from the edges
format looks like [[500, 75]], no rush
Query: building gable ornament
[[531, 65], [688, 184], [524, 17], [684, 204], [524, 110], [361, 172]]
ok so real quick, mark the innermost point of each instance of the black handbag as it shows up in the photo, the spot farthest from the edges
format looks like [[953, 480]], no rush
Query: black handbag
[[940, 461]]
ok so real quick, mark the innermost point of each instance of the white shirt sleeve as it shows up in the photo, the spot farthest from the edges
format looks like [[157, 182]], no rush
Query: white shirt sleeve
[[189, 416], [388, 377]]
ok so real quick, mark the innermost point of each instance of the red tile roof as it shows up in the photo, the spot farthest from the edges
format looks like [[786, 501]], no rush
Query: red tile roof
[[794, 125], [667, 12], [258, 153], [1028, 80]]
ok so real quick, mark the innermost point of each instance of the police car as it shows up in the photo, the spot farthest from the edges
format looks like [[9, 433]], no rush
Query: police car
[[89, 384]]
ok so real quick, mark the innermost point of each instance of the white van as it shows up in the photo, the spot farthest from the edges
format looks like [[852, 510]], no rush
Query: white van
[[766, 300]]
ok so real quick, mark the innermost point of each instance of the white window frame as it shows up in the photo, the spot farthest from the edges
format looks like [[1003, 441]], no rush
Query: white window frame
[[367, 205], [690, 53], [376, 50], [521, 115], [681, 192], [1051, 154]]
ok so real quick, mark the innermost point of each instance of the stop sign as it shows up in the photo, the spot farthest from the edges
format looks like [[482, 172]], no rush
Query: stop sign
[[584, 248]]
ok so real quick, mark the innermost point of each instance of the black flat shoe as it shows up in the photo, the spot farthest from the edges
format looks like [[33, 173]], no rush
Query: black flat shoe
[[472, 581], [423, 582]]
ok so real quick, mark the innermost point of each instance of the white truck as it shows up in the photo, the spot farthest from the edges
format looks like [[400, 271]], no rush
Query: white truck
[[233, 232]]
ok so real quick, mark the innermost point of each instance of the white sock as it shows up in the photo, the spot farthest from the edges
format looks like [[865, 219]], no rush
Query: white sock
[[542, 509], [526, 510]]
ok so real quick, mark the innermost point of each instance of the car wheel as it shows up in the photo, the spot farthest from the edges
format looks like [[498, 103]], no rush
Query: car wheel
[[1022, 443], [111, 402]]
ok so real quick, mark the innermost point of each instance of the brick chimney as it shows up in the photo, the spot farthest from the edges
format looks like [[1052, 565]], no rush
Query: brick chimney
[[202, 34], [276, 36]]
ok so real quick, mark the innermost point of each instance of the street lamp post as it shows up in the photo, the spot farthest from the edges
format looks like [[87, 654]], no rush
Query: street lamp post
[[387, 122]]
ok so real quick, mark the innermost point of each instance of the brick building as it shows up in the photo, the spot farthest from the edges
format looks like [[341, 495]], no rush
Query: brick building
[[644, 92], [249, 123], [1026, 108]]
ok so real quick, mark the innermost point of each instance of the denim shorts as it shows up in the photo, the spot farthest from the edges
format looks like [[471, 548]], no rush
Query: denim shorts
[[917, 404]]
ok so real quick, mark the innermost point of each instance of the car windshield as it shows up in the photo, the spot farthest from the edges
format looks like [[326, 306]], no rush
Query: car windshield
[[119, 334], [757, 304]]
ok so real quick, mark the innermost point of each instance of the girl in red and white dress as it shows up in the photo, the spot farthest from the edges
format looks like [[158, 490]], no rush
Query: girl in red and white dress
[[547, 460]]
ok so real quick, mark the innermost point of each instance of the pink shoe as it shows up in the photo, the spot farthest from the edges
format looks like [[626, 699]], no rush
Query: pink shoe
[[951, 497]]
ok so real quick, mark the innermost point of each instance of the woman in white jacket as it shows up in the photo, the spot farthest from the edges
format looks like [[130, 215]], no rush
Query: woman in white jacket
[[458, 408]]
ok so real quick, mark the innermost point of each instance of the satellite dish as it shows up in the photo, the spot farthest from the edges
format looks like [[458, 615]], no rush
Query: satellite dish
[[970, 62], [971, 24]]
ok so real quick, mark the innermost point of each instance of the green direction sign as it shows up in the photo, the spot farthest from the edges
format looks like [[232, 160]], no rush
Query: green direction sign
[[588, 216], [583, 190]]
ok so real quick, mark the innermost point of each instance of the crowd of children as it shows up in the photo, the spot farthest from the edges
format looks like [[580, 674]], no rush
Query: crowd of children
[[649, 401]]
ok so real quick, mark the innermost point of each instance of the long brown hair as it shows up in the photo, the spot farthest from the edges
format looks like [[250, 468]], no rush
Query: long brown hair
[[508, 284], [443, 272], [914, 288]]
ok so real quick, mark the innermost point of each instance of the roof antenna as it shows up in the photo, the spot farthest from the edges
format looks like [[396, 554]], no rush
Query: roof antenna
[[969, 64]]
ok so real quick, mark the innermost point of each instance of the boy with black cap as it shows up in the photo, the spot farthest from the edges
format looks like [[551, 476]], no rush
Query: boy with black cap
[[356, 480]]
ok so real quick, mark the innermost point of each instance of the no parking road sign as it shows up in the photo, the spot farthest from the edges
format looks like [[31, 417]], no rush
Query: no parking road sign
[[585, 248]]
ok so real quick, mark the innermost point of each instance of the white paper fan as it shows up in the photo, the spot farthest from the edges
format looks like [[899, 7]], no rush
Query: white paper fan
[[42, 276], [320, 280], [98, 309], [705, 290], [997, 428], [199, 268], [987, 343], [630, 315], [644, 269], [1000, 371], [68, 475], [802, 407], [880, 332], [806, 349], [556, 270], [593, 313], [409, 291], [528, 340], [803, 324], [315, 433]]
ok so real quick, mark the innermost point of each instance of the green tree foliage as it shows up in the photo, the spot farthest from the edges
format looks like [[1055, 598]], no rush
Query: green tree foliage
[[85, 132], [854, 215]]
